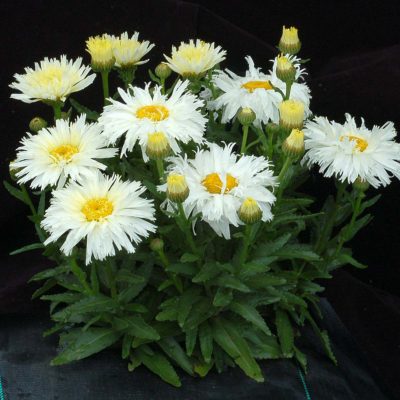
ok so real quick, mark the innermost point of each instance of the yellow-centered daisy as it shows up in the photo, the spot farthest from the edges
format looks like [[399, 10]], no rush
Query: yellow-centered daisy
[[52, 80], [153, 120], [109, 213], [350, 152], [66, 150]]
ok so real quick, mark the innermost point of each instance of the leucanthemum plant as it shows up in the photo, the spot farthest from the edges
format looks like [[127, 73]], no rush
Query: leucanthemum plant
[[176, 216]]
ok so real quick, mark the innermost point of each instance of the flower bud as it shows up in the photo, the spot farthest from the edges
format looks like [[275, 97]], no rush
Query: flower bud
[[157, 146], [285, 70], [37, 124], [250, 212], [361, 185], [163, 71], [293, 145], [272, 129], [156, 244], [289, 42], [101, 51], [246, 116], [291, 114], [177, 188], [13, 171]]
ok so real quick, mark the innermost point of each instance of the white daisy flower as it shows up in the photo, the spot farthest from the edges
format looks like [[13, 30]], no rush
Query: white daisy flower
[[52, 80], [195, 58], [66, 150], [153, 119], [129, 51], [349, 152], [219, 181], [255, 90], [109, 213]]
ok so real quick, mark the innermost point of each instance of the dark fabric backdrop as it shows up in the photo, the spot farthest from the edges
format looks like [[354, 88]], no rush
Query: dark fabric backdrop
[[354, 48]]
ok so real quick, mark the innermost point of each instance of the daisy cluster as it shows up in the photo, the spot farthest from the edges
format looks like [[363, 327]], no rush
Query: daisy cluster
[[219, 183]]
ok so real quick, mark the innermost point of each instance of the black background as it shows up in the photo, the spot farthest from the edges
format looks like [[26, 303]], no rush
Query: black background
[[354, 48]]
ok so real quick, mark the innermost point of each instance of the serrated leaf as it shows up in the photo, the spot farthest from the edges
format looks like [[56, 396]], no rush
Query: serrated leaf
[[208, 271], [158, 364], [297, 251], [182, 268], [126, 346], [226, 335], [250, 314], [124, 275], [185, 303], [81, 109], [301, 359], [222, 297], [188, 257], [231, 282], [265, 280], [85, 344], [345, 258], [26, 248], [206, 341], [46, 286], [136, 326], [285, 332], [268, 249], [50, 273], [18, 194], [202, 369], [263, 346], [174, 351], [191, 337]]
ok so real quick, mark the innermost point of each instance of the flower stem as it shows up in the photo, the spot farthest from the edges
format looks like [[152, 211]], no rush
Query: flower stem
[[175, 278], [244, 139], [262, 137], [104, 80], [282, 176], [246, 243], [111, 279], [187, 230], [57, 110], [288, 88], [160, 168]]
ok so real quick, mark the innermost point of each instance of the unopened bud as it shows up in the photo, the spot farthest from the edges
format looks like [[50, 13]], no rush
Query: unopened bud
[[285, 70], [163, 71], [291, 114], [37, 124], [156, 244], [250, 212], [177, 188], [13, 171], [289, 42], [246, 116], [293, 145], [101, 52], [157, 146], [361, 185]]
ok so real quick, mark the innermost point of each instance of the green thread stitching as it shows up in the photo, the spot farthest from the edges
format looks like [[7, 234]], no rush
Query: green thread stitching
[[303, 381]]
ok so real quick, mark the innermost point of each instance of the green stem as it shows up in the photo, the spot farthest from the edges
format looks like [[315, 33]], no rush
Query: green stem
[[245, 244], [262, 137], [162, 85], [244, 138], [160, 168], [175, 278], [356, 213], [33, 211], [253, 143], [282, 176], [187, 229], [57, 110], [111, 279], [330, 221], [104, 80], [80, 275], [288, 88], [270, 145]]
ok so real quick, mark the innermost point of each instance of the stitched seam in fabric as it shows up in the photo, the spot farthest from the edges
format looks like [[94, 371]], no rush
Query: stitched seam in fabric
[[1, 390], [303, 381]]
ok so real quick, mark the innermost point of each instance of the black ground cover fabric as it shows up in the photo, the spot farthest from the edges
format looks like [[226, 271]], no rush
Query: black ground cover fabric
[[26, 374]]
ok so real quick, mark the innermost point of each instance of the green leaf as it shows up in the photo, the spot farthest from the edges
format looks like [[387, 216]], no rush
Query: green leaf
[[301, 358], [85, 344], [136, 326], [231, 282], [191, 337], [124, 275], [126, 346], [188, 257], [345, 258], [222, 297], [263, 346], [158, 364], [265, 280], [231, 341], [50, 273], [91, 115], [63, 297], [182, 268], [256, 267], [250, 314], [152, 188], [285, 332], [94, 281], [268, 249], [369, 203], [360, 223], [208, 271], [46, 286], [206, 341], [202, 369], [186, 301], [201, 311], [174, 351], [297, 251], [18, 194], [29, 247]]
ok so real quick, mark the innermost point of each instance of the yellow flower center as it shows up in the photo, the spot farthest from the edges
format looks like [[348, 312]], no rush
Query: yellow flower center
[[64, 152], [213, 183], [153, 112], [361, 144], [97, 209], [50, 75], [251, 86]]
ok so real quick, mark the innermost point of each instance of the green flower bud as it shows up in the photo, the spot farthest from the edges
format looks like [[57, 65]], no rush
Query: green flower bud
[[361, 185], [163, 71], [156, 244], [37, 124], [246, 116], [250, 212]]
